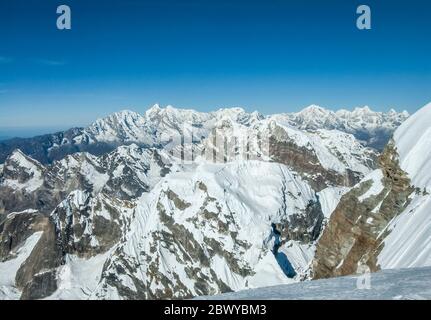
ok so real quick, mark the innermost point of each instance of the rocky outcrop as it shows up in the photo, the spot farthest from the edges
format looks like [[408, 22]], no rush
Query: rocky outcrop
[[87, 226], [355, 233], [304, 227], [306, 163], [36, 277]]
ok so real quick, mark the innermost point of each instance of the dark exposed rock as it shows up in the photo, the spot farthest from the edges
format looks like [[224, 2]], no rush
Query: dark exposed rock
[[82, 226], [306, 163], [42, 285], [15, 230], [351, 238], [46, 255], [304, 227]]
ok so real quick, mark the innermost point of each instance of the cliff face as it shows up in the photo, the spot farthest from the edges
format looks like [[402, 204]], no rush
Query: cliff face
[[354, 235]]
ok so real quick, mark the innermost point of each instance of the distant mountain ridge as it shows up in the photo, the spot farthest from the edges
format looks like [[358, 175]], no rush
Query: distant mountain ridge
[[159, 125], [372, 128]]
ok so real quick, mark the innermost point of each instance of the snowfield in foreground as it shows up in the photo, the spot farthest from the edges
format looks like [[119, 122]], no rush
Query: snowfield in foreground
[[401, 284]]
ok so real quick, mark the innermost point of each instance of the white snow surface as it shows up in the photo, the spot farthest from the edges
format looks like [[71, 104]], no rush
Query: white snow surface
[[329, 199], [409, 242], [78, 278], [376, 187], [398, 284]]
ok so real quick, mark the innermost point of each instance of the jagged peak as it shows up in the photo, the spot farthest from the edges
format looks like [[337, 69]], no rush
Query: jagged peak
[[118, 116], [170, 111], [125, 114], [155, 107]]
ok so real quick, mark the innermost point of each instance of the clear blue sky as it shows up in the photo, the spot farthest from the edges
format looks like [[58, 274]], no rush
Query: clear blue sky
[[270, 55]]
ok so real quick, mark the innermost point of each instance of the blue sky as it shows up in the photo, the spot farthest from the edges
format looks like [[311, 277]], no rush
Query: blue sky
[[273, 55]]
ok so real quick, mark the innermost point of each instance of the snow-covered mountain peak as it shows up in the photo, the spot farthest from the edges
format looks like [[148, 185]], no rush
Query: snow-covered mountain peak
[[125, 126], [22, 172], [20, 160], [119, 119], [155, 109], [314, 109], [18, 156], [239, 115]]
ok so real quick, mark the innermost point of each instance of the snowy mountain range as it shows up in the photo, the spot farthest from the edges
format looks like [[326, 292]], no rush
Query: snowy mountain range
[[177, 203], [371, 128], [158, 125]]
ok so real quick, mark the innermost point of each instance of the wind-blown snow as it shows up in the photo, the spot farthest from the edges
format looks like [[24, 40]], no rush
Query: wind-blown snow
[[413, 141], [409, 242]]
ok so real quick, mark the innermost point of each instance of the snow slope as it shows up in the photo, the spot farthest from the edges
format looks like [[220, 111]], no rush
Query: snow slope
[[413, 141], [400, 284]]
